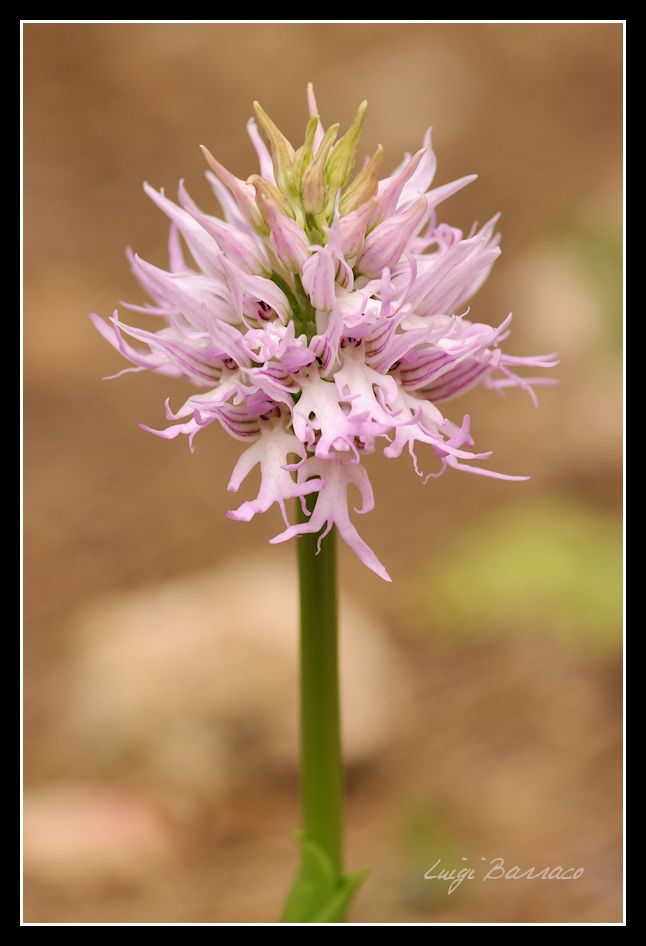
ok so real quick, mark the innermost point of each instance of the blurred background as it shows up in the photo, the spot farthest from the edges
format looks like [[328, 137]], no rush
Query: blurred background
[[482, 689]]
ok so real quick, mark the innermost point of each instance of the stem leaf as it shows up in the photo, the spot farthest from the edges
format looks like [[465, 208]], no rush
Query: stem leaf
[[319, 894]]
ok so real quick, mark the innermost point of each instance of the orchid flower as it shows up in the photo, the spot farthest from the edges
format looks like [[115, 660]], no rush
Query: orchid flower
[[326, 307], [321, 318]]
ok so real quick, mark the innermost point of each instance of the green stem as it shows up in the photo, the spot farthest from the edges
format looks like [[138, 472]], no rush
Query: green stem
[[321, 759], [282, 284], [308, 312], [304, 314], [321, 892]]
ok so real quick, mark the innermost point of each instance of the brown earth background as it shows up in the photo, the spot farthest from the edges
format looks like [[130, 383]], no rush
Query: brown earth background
[[482, 689]]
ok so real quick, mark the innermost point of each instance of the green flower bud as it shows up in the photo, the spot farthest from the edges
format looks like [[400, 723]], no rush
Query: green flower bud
[[282, 153], [303, 156], [363, 187], [265, 188], [314, 188], [341, 161]]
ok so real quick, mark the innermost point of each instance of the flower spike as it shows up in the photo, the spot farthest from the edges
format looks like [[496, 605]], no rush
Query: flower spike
[[324, 317]]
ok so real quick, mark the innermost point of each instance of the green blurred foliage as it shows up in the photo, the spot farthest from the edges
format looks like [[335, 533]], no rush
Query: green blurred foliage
[[554, 566], [598, 251], [423, 837]]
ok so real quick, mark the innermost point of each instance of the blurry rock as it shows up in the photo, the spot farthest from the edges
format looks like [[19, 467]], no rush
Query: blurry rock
[[196, 679], [91, 835]]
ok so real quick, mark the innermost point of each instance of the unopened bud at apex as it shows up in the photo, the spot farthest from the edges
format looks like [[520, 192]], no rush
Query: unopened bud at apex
[[363, 187], [314, 188], [341, 160], [282, 152], [303, 155], [267, 189]]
